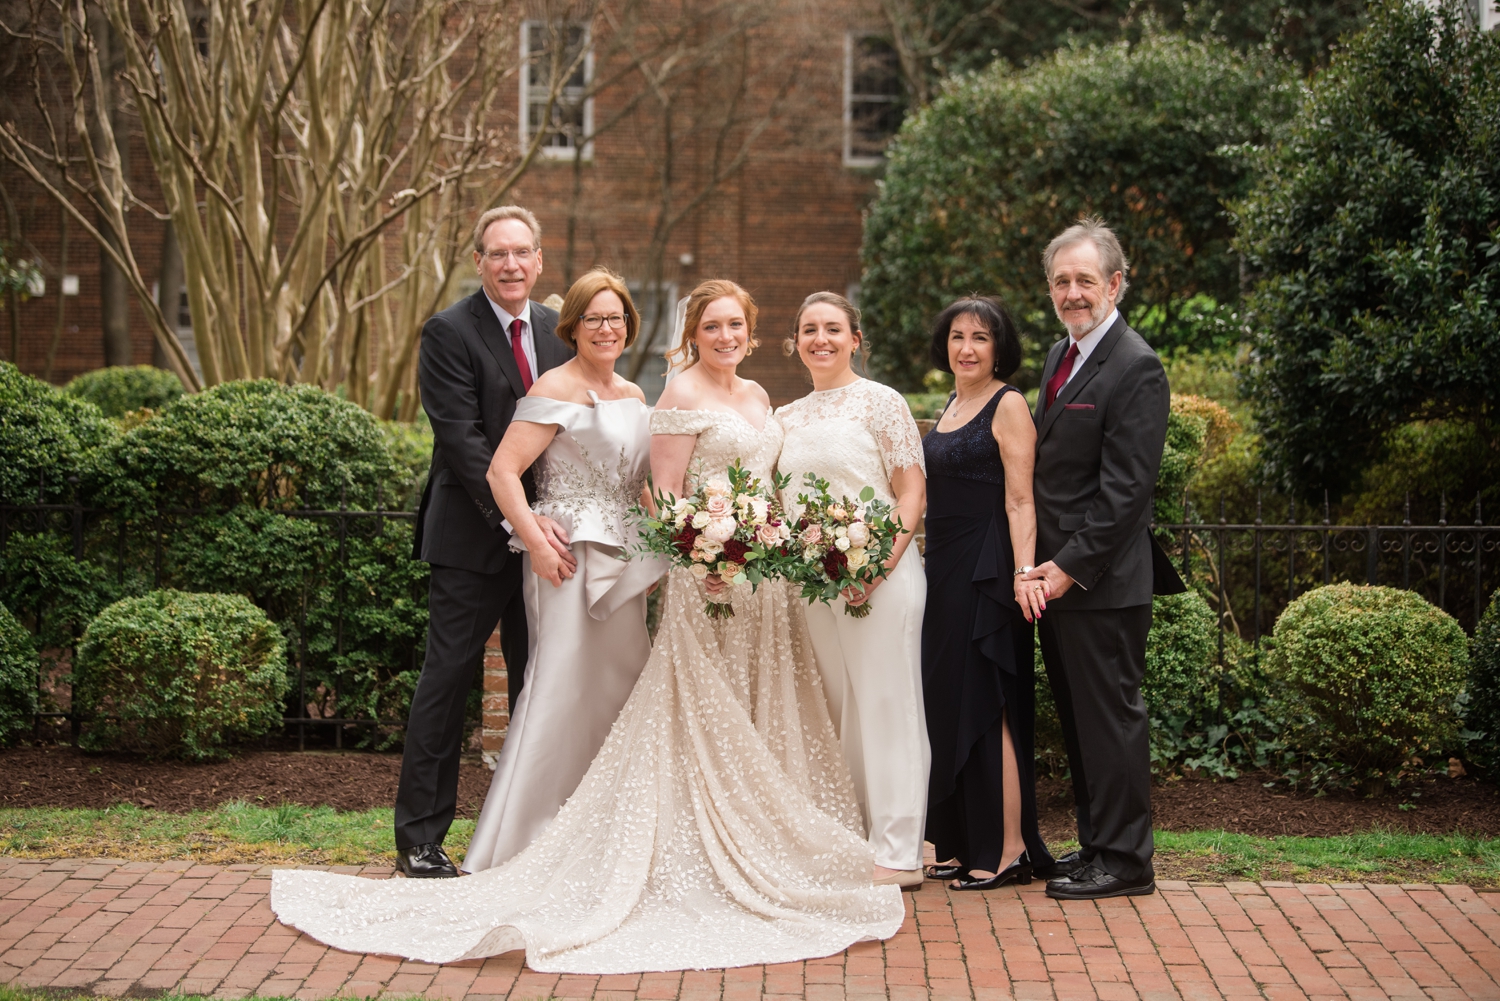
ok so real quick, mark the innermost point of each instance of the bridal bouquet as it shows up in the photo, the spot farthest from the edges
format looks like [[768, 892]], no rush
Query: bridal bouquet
[[731, 526], [842, 543]]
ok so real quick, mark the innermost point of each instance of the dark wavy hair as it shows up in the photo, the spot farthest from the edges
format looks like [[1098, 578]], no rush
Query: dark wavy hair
[[991, 312]]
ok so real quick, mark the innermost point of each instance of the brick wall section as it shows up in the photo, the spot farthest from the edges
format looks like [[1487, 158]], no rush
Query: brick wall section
[[495, 701]]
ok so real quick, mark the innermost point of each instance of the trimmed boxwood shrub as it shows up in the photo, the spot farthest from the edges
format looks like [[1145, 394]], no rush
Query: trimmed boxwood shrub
[[46, 437], [18, 664], [1182, 678], [1482, 718], [119, 390], [178, 673], [1376, 670]]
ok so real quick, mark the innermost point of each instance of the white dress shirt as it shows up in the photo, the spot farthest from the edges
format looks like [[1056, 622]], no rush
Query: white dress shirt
[[528, 342], [1089, 341]]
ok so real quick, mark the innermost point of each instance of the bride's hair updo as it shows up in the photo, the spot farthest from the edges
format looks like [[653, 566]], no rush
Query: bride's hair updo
[[698, 300], [789, 346]]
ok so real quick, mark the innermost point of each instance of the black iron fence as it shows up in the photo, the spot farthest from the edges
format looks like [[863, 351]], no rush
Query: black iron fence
[[61, 562], [1247, 571], [1250, 571]]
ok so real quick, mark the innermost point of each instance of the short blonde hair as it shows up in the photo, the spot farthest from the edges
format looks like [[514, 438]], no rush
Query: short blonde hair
[[582, 293], [507, 212], [698, 301]]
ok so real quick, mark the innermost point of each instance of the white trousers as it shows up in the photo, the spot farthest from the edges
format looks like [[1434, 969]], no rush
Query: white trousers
[[872, 675]]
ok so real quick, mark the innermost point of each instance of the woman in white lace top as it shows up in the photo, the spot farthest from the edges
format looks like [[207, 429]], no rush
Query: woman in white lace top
[[857, 433]]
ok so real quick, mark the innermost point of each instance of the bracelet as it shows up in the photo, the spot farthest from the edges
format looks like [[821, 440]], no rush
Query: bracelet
[[1023, 571]]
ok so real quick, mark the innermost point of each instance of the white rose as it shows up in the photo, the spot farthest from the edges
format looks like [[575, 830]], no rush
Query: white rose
[[743, 499], [720, 529], [716, 488], [701, 520], [859, 534], [682, 507], [679, 521], [857, 558], [760, 510], [698, 570], [842, 544], [840, 532], [710, 547]]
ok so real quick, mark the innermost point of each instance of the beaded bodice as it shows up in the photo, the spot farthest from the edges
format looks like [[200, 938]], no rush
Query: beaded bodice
[[968, 452]]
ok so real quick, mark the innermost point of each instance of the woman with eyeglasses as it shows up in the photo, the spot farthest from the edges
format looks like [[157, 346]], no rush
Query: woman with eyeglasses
[[585, 432]]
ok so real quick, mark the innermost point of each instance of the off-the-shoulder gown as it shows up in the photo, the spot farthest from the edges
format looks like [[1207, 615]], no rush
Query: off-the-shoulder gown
[[717, 826]]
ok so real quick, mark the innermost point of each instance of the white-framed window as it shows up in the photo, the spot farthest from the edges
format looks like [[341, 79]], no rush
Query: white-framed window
[[874, 98], [572, 117]]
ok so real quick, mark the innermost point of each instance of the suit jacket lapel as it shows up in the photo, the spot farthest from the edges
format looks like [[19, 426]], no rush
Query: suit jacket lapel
[[1090, 368], [496, 340]]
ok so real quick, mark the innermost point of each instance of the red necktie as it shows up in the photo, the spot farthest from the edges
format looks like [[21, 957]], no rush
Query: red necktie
[[1059, 378], [520, 352]]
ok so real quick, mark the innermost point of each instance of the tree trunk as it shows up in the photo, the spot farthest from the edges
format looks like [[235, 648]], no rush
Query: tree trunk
[[168, 290], [114, 286]]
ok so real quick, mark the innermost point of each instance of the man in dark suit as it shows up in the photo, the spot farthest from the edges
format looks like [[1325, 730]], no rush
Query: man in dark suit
[[479, 356], [1101, 422]]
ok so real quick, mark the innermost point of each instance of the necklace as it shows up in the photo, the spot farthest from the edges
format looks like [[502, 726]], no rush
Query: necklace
[[958, 405]]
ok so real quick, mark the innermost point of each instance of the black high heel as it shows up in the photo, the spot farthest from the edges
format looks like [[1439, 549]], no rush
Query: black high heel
[[943, 871], [1018, 872]]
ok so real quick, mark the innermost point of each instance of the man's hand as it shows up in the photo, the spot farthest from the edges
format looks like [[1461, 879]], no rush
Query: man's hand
[[1052, 578], [558, 539]]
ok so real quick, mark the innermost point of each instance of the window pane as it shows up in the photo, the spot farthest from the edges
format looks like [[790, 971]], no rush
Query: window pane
[[871, 125], [877, 70]]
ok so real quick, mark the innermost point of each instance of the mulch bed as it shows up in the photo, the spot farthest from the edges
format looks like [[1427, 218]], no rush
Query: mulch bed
[[344, 780], [356, 780]]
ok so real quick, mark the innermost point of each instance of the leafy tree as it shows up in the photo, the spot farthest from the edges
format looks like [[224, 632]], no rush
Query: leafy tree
[[1152, 135], [1375, 231]]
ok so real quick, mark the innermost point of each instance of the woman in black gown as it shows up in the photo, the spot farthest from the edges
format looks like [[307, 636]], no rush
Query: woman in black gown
[[977, 670]]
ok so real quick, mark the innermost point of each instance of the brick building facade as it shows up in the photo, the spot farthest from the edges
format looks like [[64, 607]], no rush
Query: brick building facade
[[815, 91]]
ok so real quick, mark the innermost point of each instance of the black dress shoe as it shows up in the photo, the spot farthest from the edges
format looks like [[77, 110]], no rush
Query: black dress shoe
[[943, 871], [1093, 883], [1018, 871], [1065, 866], [427, 861]]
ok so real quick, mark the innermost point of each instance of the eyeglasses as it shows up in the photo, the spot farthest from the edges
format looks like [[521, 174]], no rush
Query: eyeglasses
[[522, 256], [594, 321]]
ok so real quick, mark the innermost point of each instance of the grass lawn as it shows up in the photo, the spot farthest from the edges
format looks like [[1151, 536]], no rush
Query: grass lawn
[[238, 832]]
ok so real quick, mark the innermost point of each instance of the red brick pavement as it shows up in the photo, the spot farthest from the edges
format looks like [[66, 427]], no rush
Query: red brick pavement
[[142, 928]]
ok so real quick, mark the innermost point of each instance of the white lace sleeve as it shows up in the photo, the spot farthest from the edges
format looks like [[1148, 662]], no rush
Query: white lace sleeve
[[680, 421], [895, 430]]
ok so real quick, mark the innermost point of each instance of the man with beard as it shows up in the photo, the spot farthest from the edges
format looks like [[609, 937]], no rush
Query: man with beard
[[1101, 423]]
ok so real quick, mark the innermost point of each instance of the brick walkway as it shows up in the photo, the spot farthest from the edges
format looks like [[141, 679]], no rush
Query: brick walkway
[[142, 928]]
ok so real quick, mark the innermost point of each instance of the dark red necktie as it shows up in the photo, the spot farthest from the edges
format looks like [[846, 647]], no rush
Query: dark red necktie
[[520, 352], [1059, 378]]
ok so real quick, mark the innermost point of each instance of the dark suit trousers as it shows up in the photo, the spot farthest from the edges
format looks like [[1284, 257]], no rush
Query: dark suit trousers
[[1095, 661], [463, 608]]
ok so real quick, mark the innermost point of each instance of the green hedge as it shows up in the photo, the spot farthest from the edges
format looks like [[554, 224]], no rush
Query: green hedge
[[119, 390], [46, 436], [205, 491], [1376, 672], [1482, 715], [18, 667], [180, 674]]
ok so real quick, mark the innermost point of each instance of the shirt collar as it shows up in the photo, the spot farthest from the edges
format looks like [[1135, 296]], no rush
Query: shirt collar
[[506, 319], [1089, 341]]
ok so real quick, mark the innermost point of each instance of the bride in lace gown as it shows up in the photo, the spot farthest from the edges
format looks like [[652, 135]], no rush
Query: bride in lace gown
[[717, 826]]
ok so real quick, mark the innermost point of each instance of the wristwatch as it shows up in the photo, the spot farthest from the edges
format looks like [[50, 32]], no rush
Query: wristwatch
[[1023, 572]]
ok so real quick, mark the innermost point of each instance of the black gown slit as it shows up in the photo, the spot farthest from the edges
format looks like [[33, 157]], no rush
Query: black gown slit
[[977, 652]]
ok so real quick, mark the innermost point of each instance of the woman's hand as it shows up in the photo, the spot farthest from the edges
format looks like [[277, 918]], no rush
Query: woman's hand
[[548, 565], [1031, 595], [856, 594], [715, 584]]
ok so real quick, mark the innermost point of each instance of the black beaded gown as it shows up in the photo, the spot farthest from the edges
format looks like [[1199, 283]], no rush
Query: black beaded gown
[[977, 660]]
